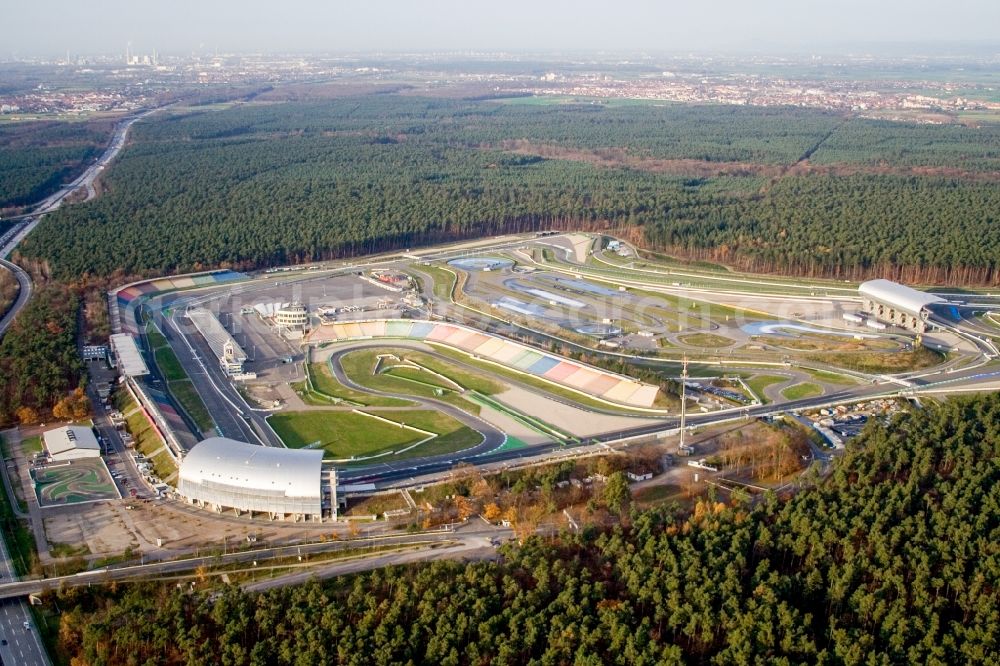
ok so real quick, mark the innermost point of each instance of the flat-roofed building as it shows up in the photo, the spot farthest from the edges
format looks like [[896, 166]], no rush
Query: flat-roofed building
[[71, 443], [128, 358]]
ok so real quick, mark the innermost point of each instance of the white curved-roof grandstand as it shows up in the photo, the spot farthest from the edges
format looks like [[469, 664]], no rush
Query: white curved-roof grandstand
[[897, 295], [230, 474]]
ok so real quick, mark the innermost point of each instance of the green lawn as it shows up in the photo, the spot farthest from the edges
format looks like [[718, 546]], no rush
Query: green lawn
[[420, 377], [467, 379], [185, 393], [803, 390], [358, 366], [163, 355], [831, 377], [348, 434], [444, 280], [325, 384], [154, 337], [758, 383], [31, 445], [706, 340], [168, 364]]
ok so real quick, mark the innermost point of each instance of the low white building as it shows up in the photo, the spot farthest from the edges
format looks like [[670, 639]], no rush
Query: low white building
[[71, 442]]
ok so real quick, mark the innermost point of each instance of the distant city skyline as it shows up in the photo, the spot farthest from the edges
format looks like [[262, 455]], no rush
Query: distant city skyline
[[770, 26]]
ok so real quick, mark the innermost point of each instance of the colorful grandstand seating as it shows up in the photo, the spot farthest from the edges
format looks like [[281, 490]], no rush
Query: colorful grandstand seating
[[585, 379]]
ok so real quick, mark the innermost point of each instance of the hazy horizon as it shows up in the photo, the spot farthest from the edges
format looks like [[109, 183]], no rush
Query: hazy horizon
[[390, 26]]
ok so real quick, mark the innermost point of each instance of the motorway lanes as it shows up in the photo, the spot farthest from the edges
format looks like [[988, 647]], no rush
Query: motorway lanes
[[473, 534], [23, 294], [24, 647]]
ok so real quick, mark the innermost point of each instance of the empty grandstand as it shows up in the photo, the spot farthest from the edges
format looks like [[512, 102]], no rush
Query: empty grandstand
[[556, 369], [124, 300], [898, 304], [229, 353], [224, 474]]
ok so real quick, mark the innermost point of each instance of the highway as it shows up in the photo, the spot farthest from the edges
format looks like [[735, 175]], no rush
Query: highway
[[23, 645], [23, 295], [20, 231], [472, 535]]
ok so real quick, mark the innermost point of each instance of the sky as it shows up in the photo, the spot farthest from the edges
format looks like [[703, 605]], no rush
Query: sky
[[772, 26]]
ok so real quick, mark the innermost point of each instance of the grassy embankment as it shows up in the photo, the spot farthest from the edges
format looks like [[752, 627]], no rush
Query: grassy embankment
[[800, 391], [147, 441], [178, 384]]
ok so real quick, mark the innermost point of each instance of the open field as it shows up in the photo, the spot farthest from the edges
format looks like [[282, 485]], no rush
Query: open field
[[327, 386], [758, 383], [83, 480], [919, 358], [831, 377], [803, 390], [706, 340], [344, 434], [31, 445]]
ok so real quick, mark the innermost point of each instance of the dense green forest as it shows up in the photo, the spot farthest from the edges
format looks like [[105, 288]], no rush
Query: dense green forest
[[36, 158], [891, 559], [39, 363], [275, 183]]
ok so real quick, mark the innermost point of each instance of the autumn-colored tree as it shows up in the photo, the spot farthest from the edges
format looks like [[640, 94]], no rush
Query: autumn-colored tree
[[492, 512], [27, 415], [465, 507], [63, 409]]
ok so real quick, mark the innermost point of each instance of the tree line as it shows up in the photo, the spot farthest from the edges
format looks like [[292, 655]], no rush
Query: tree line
[[294, 182], [39, 362], [37, 158]]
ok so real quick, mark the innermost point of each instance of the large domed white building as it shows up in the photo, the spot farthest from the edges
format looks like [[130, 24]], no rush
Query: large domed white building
[[226, 474]]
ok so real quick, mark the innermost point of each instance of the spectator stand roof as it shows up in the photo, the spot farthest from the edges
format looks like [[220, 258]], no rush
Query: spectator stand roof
[[129, 358], [905, 298]]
